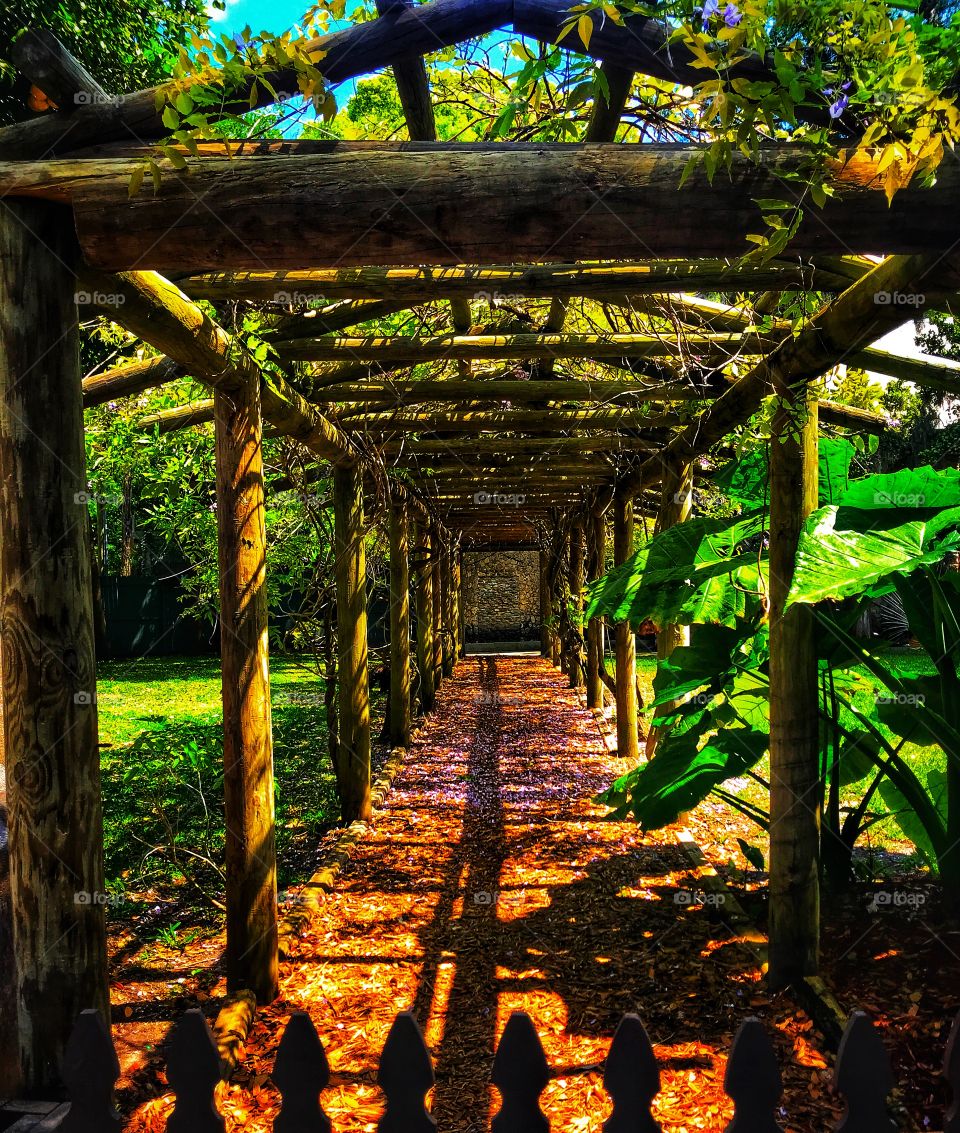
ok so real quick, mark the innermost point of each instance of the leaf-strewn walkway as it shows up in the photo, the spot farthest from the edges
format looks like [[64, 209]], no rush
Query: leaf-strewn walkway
[[492, 883]]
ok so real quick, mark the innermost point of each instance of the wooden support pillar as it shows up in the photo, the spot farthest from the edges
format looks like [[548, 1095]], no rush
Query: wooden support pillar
[[251, 858], [55, 836], [597, 531], [553, 570], [546, 603], [353, 771], [449, 636], [676, 500], [628, 743], [457, 605], [400, 715], [795, 802], [423, 601], [575, 653], [436, 574]]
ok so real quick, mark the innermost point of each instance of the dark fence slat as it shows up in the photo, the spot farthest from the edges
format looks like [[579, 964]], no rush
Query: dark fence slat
[[632, 1078], [193, 1070], [520, 1073], [90, 1069], [753, 1081], [951, 1071], [405, 1076], [300, 1072], [864, 1079]]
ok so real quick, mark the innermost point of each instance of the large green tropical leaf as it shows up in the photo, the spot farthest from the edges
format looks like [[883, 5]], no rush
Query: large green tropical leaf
[[747, 478], [906, 817], [689, 573], [707, 661], [681, 775]]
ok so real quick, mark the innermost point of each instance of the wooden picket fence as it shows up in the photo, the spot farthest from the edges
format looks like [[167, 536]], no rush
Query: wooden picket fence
[[631, 1077]]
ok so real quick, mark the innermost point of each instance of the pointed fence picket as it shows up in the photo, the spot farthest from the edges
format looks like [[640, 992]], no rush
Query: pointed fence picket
[[862, 1078]]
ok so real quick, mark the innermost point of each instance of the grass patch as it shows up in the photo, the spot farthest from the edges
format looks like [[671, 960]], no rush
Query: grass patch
[[162, 775]]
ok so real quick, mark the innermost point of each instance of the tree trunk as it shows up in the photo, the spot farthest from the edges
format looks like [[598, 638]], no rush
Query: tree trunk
[[354, 686], [48, 666], [628, 742], [795, 802], [400, 722], [597, 536], [251, 856]]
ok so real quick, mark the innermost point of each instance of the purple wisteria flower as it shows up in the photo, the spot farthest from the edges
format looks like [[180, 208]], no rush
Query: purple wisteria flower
[[710, 9], [842, 101], [732, 15]]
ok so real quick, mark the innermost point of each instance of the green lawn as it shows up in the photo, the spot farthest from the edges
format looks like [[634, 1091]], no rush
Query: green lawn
[[161, 721]]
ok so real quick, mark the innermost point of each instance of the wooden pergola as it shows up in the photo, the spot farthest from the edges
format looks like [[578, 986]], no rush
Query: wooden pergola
[[368, 229]]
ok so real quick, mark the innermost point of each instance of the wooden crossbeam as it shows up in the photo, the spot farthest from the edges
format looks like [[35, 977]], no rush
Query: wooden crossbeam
[[490, 283], [445, 203], [414, 349], [510, 420], [506, 446], [405, 392], [135, 377]]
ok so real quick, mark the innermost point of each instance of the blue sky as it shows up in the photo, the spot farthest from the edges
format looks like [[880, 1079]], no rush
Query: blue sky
[[262, 15]]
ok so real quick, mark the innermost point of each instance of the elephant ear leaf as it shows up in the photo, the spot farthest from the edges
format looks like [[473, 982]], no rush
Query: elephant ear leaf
[[681, 774], [747, 479], [753, 854]]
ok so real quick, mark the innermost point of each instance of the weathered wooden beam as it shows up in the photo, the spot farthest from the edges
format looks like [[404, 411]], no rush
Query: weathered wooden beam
[[488, 283], [159, 313], [449, 639], [795, 786], [38, 55], [509, 420], [514, 446], [353, 685], [414, 349], [456, 204], [363, 48], [328, 319], [849, 322], [400, 715], [460, 609], [49, 670], [423, 604], [406, 392], [135, 377], [628, 719], [251, 856]]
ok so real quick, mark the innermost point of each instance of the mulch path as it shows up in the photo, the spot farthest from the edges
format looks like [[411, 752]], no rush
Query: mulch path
[[491, 883]]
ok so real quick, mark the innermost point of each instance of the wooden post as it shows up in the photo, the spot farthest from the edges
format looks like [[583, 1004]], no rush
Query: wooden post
[[436, 575], [353, 772], [597, 544], [49, 673], [575, 657], [462, 620], [423, 599], [546, 603], [628, 743], [676, 500], [553, 570], [251, 858], [400, 717], [449, 641], [795, 803], [458, 615]]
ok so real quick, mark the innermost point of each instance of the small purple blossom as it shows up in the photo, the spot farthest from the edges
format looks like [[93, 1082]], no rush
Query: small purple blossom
[[710, 8], [838, 107], [732, 15]]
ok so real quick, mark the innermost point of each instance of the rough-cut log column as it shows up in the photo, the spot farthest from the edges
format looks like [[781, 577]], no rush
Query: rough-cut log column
[[546, 603], [353, 771], [423, 595], [595, 562], [251, 857], [628, 743], [795, 804], [575, 670], [449, 626], [461, 608], [676, 499], [436, 574], [400, 722], [49, 672]]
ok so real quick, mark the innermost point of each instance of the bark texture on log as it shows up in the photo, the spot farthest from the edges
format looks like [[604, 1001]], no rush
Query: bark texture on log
[[48, 664], [423, 595], [400, 717], [628, 736], [353, 770], [795, 788], [251, 855]]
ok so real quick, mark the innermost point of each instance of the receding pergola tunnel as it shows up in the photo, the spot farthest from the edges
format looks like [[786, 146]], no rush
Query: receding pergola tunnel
[[444, 453]]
